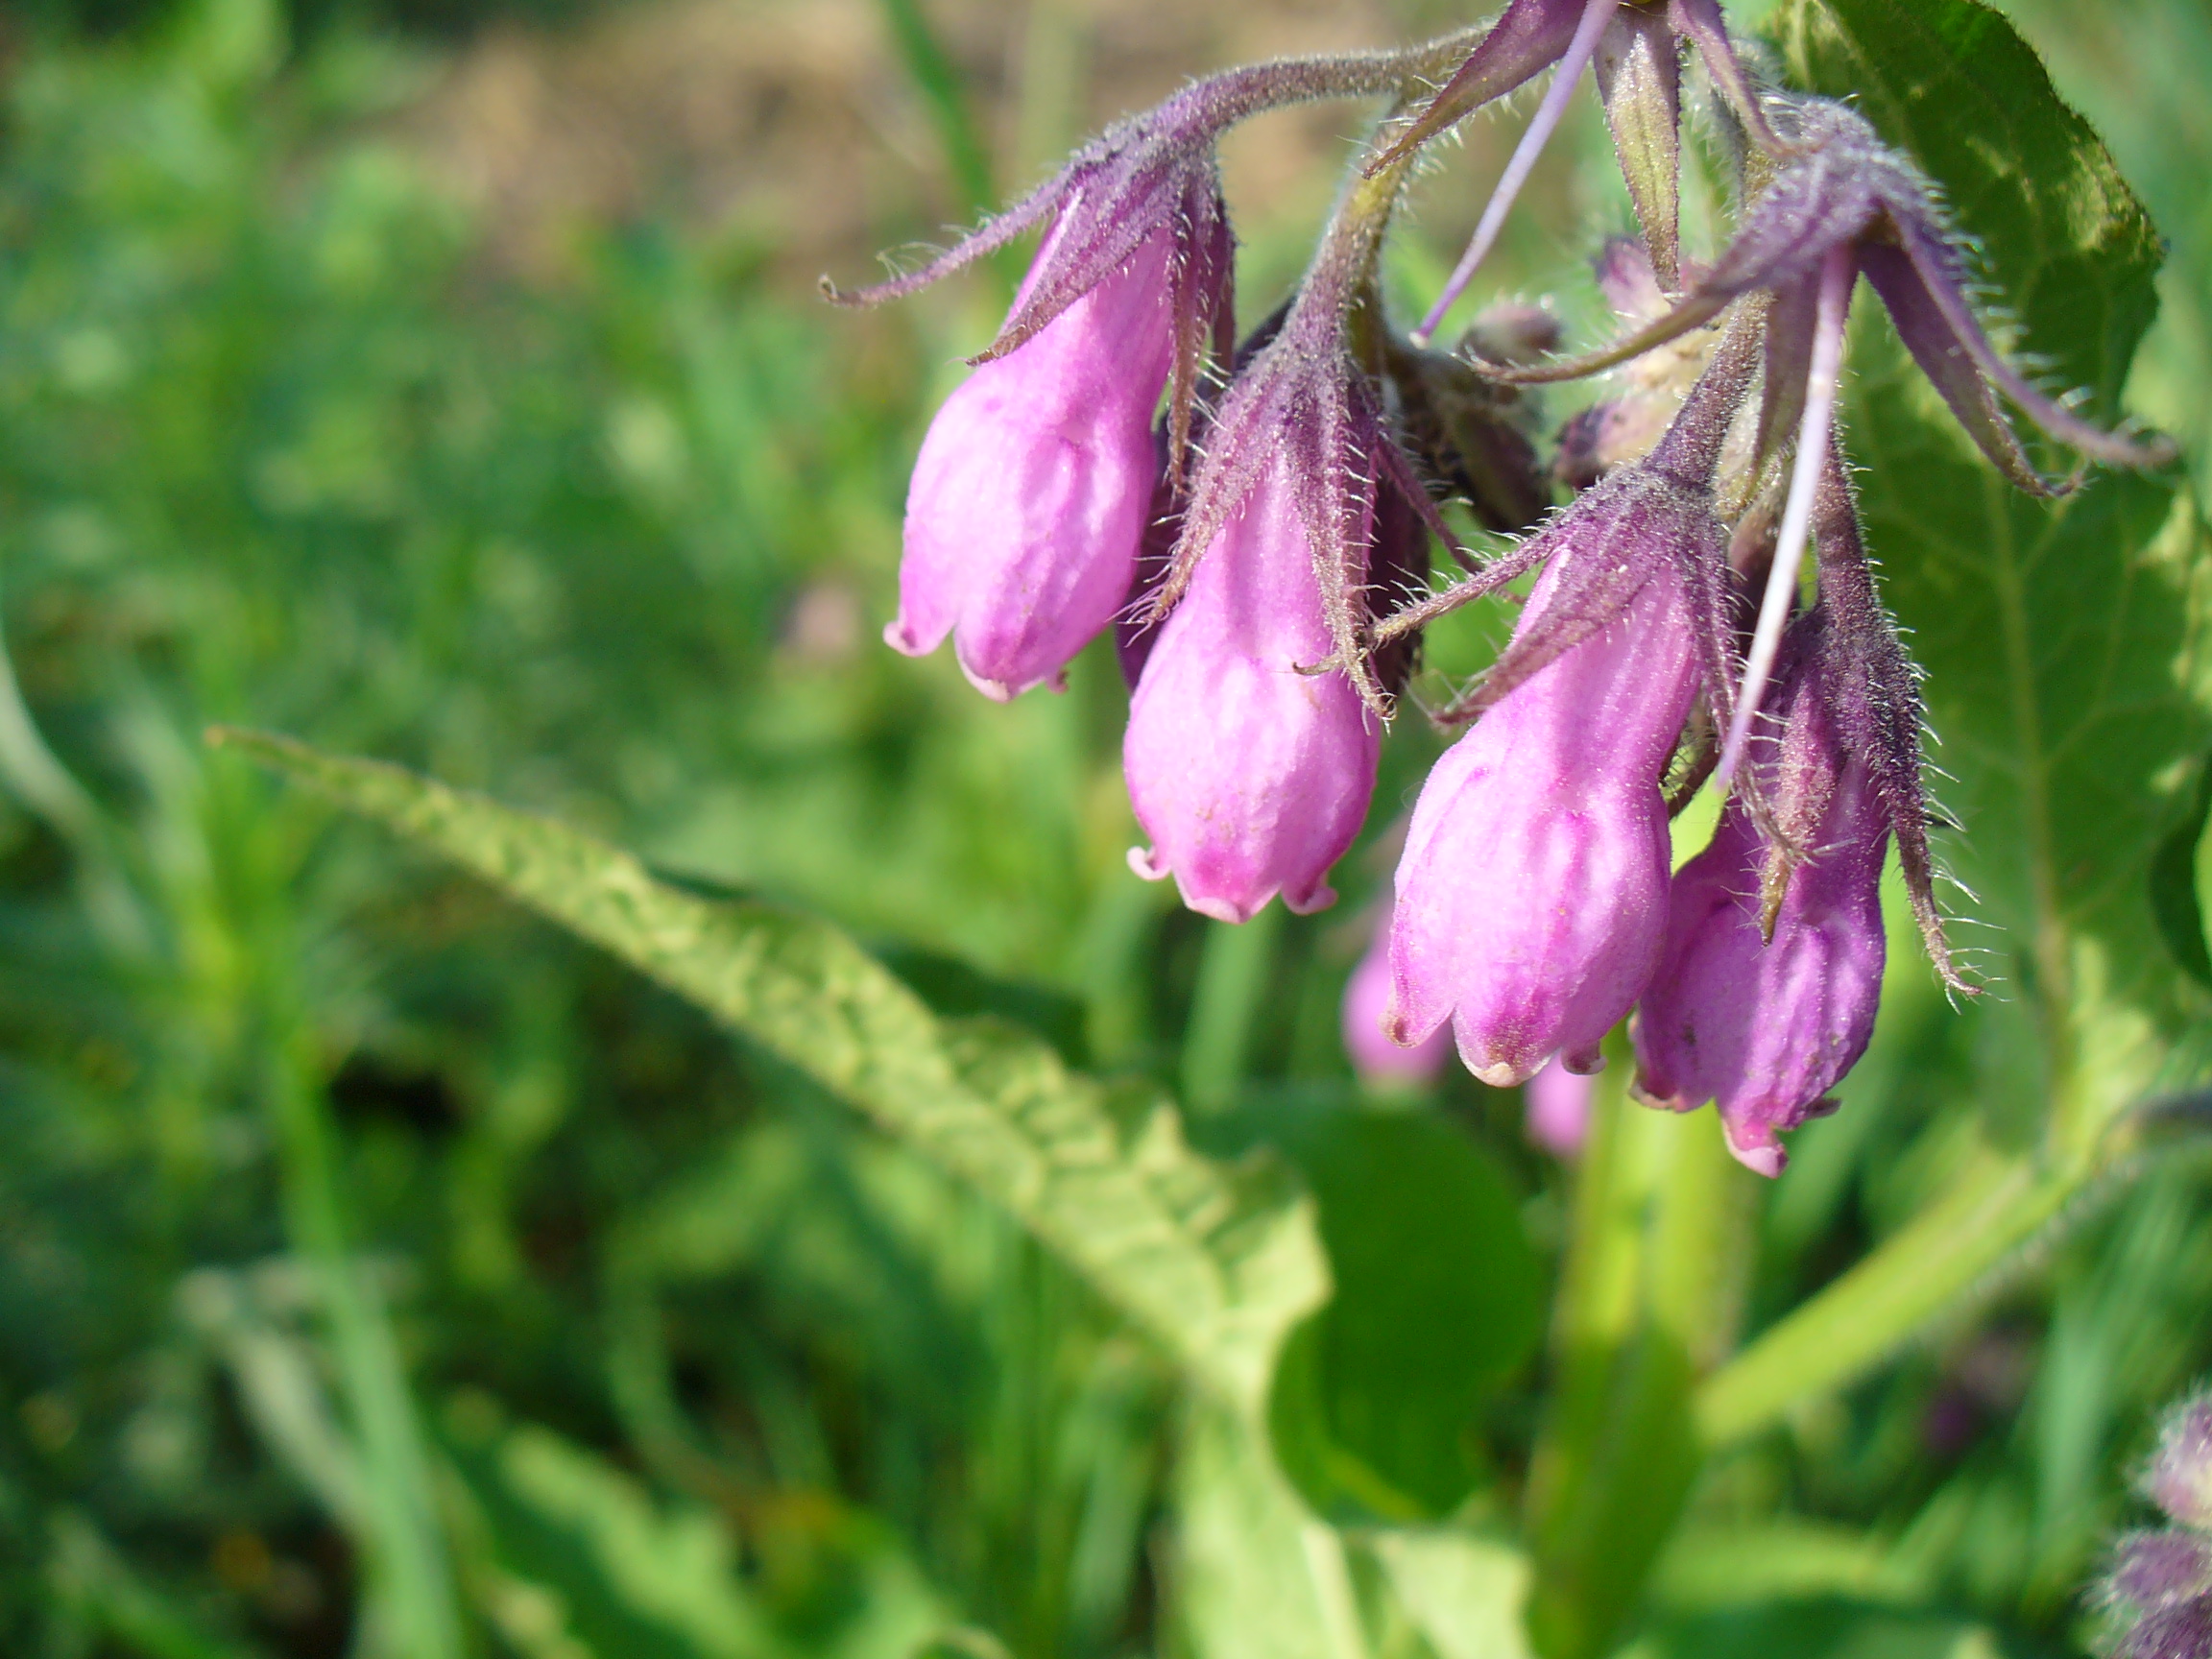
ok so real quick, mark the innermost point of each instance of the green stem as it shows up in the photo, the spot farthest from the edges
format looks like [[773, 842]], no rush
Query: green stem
[[1648, 1300], [417, 1612], [1232, 978], [1995, 1206]]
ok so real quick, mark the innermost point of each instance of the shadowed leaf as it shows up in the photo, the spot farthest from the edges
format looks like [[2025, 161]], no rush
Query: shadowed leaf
[[1216, 1262]]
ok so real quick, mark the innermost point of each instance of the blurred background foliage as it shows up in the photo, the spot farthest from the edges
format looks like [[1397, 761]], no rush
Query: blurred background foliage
[[442, 381]]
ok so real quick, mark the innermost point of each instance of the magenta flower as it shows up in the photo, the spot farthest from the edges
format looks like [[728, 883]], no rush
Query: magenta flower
[[1251, 775], [1762, 1021], [1035, 482], [1533, 891], [1532, 895], [1034, 486], [1256, 726], [1767, 993]]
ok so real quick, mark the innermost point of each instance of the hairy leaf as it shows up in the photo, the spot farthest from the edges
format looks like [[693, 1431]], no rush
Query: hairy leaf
[[1215, 1262], [2057, 636], [2064, 686]]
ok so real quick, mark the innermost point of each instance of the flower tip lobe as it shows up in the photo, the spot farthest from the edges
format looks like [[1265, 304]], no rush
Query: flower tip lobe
[[1766, 1158]]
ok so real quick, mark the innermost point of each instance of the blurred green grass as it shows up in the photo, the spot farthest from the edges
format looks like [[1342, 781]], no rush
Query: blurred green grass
[[283, 442]]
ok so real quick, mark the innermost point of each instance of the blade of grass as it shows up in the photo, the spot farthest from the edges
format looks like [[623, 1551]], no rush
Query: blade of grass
[[938, 82], [413, 1608], [1232, 978]]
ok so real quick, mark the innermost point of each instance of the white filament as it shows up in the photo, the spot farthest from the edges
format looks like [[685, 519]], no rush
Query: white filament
[[1837, 271], [1594, 16]]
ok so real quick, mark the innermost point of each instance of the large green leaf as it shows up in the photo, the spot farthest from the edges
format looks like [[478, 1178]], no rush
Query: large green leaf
[[1215, 1262], [2060, 644], [1438, 1302], [2056, 635]]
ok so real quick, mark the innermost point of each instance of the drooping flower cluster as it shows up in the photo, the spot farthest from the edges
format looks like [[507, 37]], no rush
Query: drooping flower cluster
[[1264, 545], [2157, 1587]]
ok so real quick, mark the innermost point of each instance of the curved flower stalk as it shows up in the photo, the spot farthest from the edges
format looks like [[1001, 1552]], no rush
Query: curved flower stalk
[[1636, 47], [1842, 205], [1532, 895]]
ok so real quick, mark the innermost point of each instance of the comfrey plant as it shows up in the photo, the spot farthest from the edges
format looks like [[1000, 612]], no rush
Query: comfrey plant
[[1260, 520]]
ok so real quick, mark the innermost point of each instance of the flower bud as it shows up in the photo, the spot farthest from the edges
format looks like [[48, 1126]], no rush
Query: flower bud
[[1555, 1109], [1532, 896], [2179, 1478], [1366, 996], [1034, 484], [1251, 776], [2181, 1631], [2151, 1570]]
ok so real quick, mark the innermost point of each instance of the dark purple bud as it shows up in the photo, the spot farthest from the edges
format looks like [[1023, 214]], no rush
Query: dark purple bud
[[2179, 1477], [2153, 1570], [1509, 333], [1470, 433], [1771, 974], [1034, 485]]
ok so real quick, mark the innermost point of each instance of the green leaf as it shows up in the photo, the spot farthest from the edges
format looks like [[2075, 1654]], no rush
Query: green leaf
[[2057, 636], [2063, 678], [1467, 1596], [1257, 1576], [2176, 888], [589, 1558], [1215, 1262], [1949, 82], [1438, 1303]]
